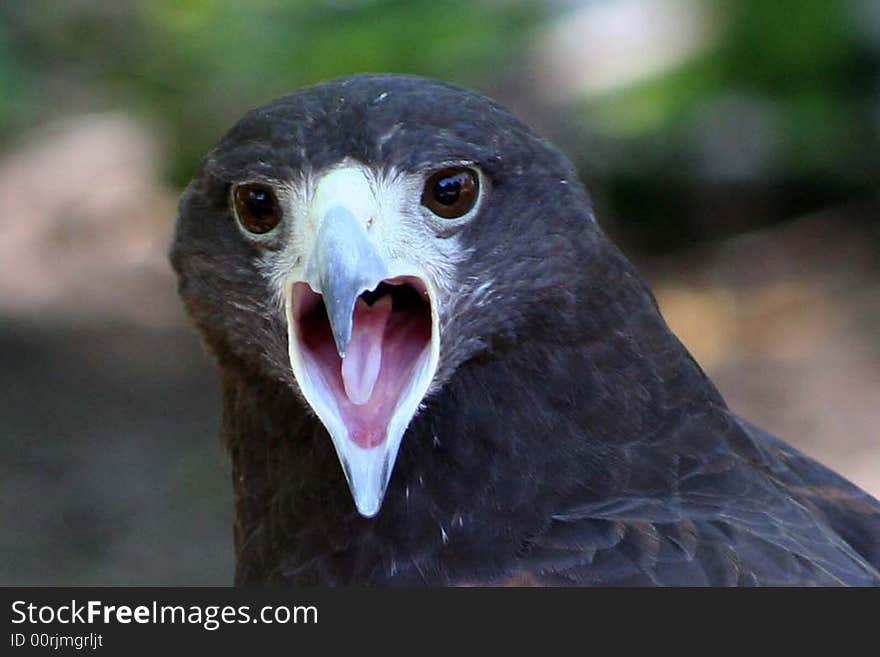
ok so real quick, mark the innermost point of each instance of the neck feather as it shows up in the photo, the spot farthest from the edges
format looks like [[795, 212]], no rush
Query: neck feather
[[507, 440]]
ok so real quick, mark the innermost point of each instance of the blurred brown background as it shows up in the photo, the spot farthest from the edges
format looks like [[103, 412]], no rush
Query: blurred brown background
[[731, 147]]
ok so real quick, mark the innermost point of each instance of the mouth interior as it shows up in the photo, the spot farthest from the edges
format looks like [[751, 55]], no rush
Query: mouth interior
[[390, 339]]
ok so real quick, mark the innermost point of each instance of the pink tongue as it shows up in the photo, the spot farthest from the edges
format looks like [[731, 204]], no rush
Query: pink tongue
[[363, 357]]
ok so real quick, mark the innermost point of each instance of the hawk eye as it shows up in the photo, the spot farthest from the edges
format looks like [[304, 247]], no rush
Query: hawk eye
[[256, 207], [451, 193]]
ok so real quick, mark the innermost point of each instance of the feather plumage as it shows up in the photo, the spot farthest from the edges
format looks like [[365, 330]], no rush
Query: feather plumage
[[568, 439]]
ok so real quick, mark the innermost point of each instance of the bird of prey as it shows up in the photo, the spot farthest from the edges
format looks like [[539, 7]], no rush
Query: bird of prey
[[396, 275]]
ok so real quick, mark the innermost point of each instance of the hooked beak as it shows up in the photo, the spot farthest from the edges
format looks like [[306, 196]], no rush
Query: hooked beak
[[344, 265], [363, 345]]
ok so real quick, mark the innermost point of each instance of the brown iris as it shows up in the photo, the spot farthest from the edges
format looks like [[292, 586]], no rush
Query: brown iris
[[451, 193], [257, 207]]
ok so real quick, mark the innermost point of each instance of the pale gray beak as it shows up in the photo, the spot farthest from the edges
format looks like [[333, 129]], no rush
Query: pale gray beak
[[344, 265]]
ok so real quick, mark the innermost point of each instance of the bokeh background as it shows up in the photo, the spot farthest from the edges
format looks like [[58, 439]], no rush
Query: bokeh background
[[732, 147]]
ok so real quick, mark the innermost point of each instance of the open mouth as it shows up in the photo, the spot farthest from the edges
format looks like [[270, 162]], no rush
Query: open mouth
[[363, 332], [381, 374]]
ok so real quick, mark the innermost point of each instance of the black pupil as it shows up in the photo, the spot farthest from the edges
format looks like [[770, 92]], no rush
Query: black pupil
[[261, 204], [447, 190]]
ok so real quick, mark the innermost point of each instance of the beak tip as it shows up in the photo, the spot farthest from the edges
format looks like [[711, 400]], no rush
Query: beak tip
[[367, 474], [369, 513], [368, 506], [341, 328]]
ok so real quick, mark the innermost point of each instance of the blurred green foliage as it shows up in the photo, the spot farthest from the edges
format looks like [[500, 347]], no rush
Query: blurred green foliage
[[196, 65], [669, 155], [805, 69]]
